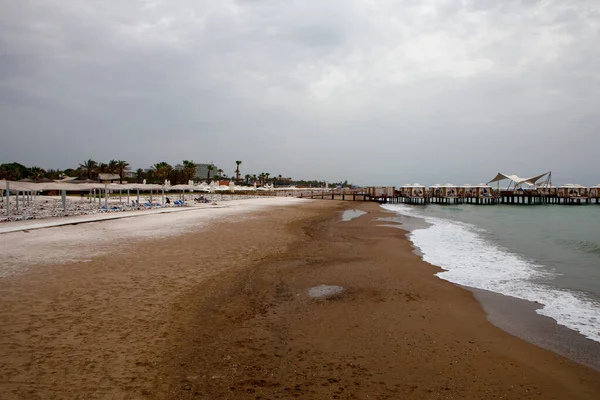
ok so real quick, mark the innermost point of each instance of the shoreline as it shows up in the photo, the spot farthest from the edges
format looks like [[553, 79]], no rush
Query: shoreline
[[516, 316], [186, 316]]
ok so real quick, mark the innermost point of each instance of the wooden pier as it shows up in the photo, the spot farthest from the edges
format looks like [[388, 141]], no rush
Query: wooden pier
[[388, 195], [349, 195]]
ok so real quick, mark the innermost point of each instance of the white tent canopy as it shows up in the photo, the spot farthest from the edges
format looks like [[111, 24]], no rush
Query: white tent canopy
[[183, 187], [517, 180], [18, 186], [79, 187]]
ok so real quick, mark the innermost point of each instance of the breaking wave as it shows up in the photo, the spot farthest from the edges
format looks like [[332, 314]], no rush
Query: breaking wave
[[469, 259]]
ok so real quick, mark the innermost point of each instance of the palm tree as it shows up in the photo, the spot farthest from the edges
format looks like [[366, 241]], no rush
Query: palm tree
[[237, 170], [267, 176], [189, 170], [55, 173], [139, 175], [254, 178], [37, 173], [88, 168], [247, 177], [112, 167], [209, 168], [102, 168], [220, 173], [121, 166], [162, 171]]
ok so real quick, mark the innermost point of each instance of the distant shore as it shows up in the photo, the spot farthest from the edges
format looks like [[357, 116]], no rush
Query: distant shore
[[220, 309]]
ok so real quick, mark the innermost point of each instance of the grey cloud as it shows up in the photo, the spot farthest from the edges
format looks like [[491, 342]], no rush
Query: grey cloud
[[379, 92]]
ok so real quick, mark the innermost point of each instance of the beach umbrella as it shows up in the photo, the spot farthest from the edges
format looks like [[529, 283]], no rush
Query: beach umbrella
[[20, 186]]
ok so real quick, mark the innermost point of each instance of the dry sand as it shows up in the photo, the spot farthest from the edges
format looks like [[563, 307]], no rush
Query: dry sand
[[26, 244], [224, 313]]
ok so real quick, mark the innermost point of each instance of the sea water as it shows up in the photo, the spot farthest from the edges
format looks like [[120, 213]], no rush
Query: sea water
[[545, 254]]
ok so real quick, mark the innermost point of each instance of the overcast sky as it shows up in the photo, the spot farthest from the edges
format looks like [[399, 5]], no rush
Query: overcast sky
[[376, 92]]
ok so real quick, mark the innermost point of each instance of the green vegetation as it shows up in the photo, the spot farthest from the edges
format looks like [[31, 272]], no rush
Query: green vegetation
[[89, 169], [15, 171], [237, 170], [162, 170]]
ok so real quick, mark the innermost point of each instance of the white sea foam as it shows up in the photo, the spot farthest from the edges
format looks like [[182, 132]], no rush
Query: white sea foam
[[471, 260]]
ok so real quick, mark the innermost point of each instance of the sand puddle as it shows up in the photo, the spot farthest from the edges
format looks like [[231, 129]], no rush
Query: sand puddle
[[324, 291], [351, 214]]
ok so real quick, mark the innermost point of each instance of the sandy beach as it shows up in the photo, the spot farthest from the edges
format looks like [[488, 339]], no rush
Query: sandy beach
[[214, 304]]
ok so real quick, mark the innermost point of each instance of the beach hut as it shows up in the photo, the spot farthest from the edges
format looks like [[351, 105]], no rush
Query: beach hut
[[449, 190], [594, 192], [417, 190], [547, 190], [380, 191], [572, 190], [467, 191], [108, 178], [483, 191], [405, 190], [444, 194], [414, 194], [435, 190]]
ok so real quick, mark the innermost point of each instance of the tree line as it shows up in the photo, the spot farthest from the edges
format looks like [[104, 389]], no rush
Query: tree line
[[158, 173]]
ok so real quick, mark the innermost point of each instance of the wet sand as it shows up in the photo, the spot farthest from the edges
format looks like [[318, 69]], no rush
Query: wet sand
[[224, 313], [518, 317]]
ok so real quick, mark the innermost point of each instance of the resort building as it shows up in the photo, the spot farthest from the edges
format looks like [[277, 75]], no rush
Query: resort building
[[201, 171]]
